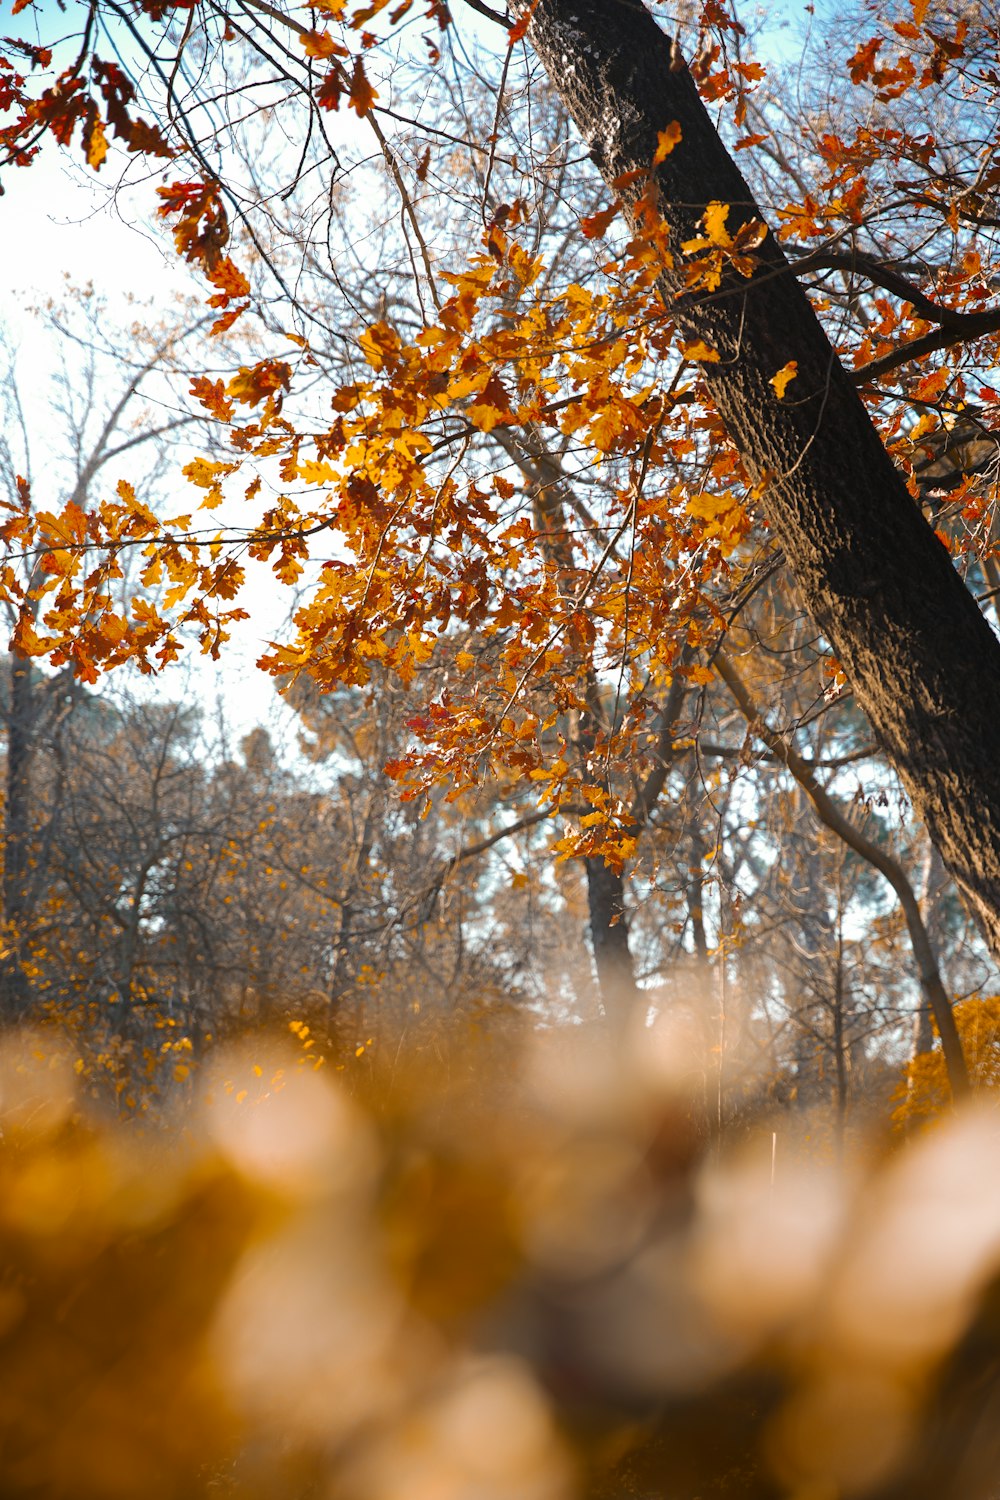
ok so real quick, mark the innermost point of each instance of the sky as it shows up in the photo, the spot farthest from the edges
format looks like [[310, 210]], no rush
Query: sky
[[59, 229]]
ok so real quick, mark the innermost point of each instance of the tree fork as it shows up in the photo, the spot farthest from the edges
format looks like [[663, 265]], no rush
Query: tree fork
[[924, 665]]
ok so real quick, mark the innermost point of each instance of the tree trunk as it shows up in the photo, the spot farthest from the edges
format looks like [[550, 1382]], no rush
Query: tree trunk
[[609, 937], [16, 830], [923, 663], [552, 497]]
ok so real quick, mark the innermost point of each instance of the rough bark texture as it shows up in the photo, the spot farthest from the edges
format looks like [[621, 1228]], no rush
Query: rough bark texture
[[16, 826], [923, 663], [609, 937]]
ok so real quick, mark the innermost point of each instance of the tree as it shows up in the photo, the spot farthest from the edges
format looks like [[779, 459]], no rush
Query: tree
[[98, 420], [641, 354], [871, 572]]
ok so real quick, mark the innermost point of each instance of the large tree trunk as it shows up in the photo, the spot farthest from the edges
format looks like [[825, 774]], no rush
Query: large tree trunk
[[21, 713], [923, 663]]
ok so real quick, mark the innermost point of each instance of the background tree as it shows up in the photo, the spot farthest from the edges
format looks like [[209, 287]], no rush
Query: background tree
[[526, 486]]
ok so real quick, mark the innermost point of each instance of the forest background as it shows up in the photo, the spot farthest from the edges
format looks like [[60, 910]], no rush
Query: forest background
[[599, 740]]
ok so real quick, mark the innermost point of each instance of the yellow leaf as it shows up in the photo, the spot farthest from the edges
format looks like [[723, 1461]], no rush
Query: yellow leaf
[[464, 660], [707, 507], [785, 374], [700, 351], [666, 141], [317, 472], [714, 221], [96, 143]]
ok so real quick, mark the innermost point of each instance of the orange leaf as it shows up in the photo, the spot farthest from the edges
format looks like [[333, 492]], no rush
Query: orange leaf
[[212, 394], [229, 279], [595, 226], [322, 44], [226, 320], [252, 384], [491, 408], [363, 95], [862, 64], [666, 141], [520, 26], [330, 90]]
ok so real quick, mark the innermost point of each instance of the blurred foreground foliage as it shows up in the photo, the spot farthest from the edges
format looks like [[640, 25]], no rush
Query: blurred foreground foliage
[[521, 1268]]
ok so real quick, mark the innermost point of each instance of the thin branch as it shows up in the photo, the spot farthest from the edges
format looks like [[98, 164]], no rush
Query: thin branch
[[387, 153], [472, 851], [973, 326], [491, 15], [833, 818], [853, 262]]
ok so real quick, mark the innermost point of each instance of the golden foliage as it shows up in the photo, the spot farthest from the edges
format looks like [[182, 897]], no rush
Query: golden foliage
[[923, 1095]]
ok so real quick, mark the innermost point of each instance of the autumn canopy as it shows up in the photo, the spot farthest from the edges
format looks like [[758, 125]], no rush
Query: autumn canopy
[[548, 437], [530, 1066]]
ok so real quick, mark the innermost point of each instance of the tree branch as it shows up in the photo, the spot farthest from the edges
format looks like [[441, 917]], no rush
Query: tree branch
[[833, 818]]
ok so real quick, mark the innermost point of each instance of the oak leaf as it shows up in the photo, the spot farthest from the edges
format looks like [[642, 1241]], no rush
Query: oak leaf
[[595, 226], [666, 141], [785, 375], [95, 142], [698, 350], [212, 395], [362, 95]]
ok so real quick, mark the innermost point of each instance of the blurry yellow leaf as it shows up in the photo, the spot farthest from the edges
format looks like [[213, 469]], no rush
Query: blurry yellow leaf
[[785, 374], [714, 221], [700, 351], [666, 141], [707, 507]]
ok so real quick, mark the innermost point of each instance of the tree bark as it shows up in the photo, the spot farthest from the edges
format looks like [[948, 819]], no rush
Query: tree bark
[[923, 663], [21, 713], [609, 939]]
